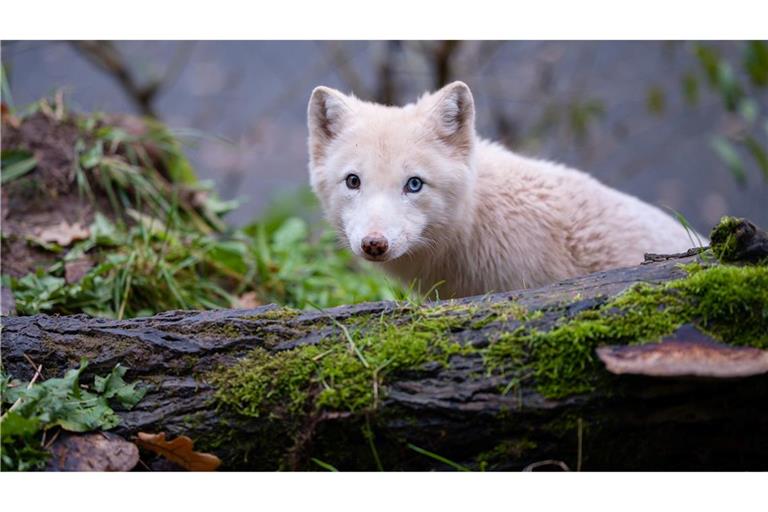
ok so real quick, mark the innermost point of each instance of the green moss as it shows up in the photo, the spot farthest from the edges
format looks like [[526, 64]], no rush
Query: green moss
[[723, 239], [351, 372], [505, 451], [730, 302], [276, 314], [348, 376]]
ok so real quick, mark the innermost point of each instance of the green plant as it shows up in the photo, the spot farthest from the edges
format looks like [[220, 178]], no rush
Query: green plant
[[33, 408]]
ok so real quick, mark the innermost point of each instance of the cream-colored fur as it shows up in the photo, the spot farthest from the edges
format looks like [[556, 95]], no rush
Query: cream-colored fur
[[486, 219]]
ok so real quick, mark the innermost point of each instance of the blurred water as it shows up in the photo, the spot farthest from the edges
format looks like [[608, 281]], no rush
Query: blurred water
[[254, 94]]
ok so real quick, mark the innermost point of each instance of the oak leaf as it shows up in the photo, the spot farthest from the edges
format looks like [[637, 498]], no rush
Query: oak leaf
[[179, 451]]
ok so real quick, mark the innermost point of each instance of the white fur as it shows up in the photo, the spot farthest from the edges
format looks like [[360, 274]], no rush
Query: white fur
[[487, 219]]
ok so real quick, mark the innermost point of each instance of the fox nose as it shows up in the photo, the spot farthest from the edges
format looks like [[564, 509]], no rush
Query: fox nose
[[374, 245]]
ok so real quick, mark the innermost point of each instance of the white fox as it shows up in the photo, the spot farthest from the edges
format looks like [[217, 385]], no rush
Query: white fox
[[415, 190]]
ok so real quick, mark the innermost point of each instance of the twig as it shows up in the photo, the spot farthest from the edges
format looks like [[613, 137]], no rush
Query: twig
[[35, 366], [145, 465], [654, 258], [579, 449], [53, 440]]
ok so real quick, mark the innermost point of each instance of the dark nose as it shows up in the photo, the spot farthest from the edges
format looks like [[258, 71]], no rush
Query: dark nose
[[374, 245]]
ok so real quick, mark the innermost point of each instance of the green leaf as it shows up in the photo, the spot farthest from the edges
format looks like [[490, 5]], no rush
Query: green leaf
[[709, 61], [748, 109], [92, 156], [655, 100], [690, 86], [92, 413], [290, 233], [104, 232], [16, 425], [15, 164], [730, 89], [730, 158], [756, 62], [231, 255], [113, 386], [758, 152]]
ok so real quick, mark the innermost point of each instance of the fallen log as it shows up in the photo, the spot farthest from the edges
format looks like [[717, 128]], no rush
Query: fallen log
[[501, 382]]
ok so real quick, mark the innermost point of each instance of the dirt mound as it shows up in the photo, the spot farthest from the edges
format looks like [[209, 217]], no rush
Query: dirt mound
[[68, 182]]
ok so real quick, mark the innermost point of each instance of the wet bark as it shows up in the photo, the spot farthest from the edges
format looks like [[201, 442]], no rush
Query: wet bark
[[458, 412]]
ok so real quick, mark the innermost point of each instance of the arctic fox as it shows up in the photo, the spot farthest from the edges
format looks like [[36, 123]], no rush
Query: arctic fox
[[415, 190]]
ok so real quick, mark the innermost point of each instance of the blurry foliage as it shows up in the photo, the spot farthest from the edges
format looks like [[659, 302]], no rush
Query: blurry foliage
[[741, 83], [656, 101], [157, 250], [576, 116]]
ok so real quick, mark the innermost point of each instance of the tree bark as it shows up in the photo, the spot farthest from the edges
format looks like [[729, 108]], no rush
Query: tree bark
[[458, 411]]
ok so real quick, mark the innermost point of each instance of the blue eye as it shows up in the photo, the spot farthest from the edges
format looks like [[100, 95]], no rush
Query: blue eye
[[353, 181], [413, 185]]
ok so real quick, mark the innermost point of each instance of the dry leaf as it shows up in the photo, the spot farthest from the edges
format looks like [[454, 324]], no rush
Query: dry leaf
[[7, 117], [179, 451], [97, 451], [248, 300], [75, 270], [64, 233]]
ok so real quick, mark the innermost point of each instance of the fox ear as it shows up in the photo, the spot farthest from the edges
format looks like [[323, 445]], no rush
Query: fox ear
[[326, 115], [454, 115]]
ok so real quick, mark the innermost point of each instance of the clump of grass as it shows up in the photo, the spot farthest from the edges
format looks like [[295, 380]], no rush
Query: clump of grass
[[136, 271]]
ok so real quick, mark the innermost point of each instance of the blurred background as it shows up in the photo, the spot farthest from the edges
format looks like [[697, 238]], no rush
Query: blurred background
[[682, 125]]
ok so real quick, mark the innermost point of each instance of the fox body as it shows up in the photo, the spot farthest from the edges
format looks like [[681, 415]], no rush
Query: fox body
[[415, 190]]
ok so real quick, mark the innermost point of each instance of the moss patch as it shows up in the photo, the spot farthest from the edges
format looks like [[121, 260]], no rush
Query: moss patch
[[723, 239], [347, 376], [739, 240]]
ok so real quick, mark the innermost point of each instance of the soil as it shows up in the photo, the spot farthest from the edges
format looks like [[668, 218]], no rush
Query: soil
[[46, 196]]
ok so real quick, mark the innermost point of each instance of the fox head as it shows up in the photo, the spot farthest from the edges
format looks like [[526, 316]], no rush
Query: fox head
[[392, 180]]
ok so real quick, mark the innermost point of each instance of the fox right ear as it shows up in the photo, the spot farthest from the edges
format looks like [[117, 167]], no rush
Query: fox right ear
[[325, 118], [454, 114]]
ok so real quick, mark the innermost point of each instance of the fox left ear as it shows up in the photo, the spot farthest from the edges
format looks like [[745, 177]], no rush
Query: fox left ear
[[454, 113], [326, 115]]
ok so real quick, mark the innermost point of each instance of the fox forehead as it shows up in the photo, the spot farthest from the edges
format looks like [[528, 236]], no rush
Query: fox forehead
[[385, 129], [384, 149]]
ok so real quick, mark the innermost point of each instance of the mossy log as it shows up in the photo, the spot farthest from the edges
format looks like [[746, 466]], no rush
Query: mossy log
[[475, 382]]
